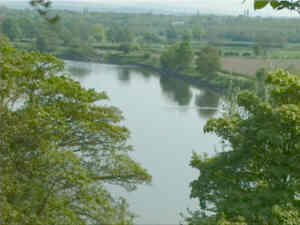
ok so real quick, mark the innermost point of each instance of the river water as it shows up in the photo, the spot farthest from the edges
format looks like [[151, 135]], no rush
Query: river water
[[166, 118]]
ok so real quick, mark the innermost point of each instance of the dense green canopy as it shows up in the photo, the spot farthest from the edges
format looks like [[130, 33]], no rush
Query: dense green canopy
[[59, 147], [256, 178]]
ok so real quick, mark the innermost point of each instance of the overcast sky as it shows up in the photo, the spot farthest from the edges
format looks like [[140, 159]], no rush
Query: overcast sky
[[234, 7], [209, 6]]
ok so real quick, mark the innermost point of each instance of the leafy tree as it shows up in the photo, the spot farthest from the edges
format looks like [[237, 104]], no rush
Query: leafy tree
[[187, 35], [28, 27], [277, 4], [257, 50], [186, 53], [178, 57], [266, 41], [41, 44], [208, 61], [171, 33], [43, 7], [119, 34], [261, 76], [129, 47], [59, 148], [47, 41], [126, 48], [66, 36], [85, 29], [99, 32], [255, 179], [11, 28], [198, 31], [150, 37]]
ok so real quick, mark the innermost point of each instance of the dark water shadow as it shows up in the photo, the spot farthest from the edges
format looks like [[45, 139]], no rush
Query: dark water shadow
[[79, 70], [208, 103], [176, 90], [124, 75]]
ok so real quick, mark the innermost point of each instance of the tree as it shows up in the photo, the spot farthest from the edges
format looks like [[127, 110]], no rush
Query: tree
[[257, 50], [187, 35], [43, 7], [28, 27], [126, 48], [186, 53], [277, 4], [150, 37], [129, 47], [99, 32], [11, 28], [58, 148], [41, 44], [66, 36], [255, 179], [119, 34], [47, 41], [208, 61], [198, 31], [171, 33], [261, 76], [266, 41], [178, 57]]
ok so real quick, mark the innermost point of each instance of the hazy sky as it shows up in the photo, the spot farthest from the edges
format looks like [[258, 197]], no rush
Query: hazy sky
[[204, 6], [234, 7]]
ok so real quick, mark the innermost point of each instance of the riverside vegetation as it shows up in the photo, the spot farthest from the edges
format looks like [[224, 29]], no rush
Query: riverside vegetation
[[146, 39], [59, 148]]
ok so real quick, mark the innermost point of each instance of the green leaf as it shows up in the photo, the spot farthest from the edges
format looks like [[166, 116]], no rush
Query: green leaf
[[259, 4], [275, 4]]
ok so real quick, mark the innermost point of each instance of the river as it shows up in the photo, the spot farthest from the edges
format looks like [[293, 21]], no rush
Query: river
[[166, 118]]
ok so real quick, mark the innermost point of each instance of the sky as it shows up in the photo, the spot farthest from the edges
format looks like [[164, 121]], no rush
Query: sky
[[233, 7]]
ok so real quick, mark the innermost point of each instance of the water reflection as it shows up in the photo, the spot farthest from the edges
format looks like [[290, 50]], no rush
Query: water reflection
[[146, 74], [168, 132], [176, 90], [124, 75], [208, 103], [79, 70]]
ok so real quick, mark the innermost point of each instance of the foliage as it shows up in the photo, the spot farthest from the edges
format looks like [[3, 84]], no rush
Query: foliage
[[47, 41], [119, 34], [264, 42], [128, 47], [261, 76], [231, 33], [41, 44], [255, 179], [171, 33], [208, 61], [198, 31], [277, 4], [99, 32], [60, 146], [177, 57], [187, 35], [11, 28], [43, 8]]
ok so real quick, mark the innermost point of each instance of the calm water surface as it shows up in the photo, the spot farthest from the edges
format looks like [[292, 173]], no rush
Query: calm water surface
[[166, 119]]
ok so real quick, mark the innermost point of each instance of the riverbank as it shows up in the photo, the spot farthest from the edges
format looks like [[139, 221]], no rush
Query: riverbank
[[219, 82]]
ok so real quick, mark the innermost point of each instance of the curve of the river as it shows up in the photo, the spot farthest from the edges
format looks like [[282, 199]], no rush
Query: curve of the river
[[166, 118]]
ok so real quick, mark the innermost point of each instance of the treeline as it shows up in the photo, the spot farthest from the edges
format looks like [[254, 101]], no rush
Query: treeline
[[96, 27]]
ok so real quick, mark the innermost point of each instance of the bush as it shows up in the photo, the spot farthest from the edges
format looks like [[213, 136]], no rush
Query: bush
[[231, 54], [246, 54]]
